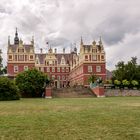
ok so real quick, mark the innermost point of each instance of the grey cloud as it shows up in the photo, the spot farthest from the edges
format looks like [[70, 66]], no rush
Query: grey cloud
[[62, 22]]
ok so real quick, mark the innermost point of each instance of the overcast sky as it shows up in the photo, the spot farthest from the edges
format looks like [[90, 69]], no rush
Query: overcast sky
[[62, 22]]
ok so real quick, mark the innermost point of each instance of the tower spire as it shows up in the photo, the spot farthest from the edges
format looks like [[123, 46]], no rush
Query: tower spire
[[81, 40], [100, 41], [16, 39], [8, 40]]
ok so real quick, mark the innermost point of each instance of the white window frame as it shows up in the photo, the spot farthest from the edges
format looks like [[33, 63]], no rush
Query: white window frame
[[53, 69], [25, 67], [15, 68], [48, 69], [58, 77], [89, 68], [53, 77], [98, 68], [63, 69], [58, 69]]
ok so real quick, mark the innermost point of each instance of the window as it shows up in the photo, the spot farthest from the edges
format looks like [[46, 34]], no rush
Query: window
[[31, 57], [98, 57], [58, 69], [63, 69], [89, 68], [21, 57], [86, 57], [98, 68], [53, 77], [21, 50], [102, 57], [53, 69], [48, 69], [26, 57], [15, 68], [10, 57], [63, 77], [25, 67], [67, 69], [16, 58], [94, 57], [58, 77], [62, 61]]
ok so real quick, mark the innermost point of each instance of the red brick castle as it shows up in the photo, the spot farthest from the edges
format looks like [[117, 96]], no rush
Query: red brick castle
[[63, 68]]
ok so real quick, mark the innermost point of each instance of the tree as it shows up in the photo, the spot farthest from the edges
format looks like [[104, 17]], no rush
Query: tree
[[1, 63], [31, 83], [92, 78], [8, 89], [129, 71], [119, 73]]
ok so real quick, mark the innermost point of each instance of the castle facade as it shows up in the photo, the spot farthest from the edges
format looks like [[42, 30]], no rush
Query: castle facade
[[63, 68]]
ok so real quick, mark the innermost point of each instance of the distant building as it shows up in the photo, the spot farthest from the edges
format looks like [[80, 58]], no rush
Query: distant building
[[64, 68]]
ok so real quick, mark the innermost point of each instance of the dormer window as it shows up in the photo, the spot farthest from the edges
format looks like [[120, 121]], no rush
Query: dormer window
[[62, 61], [21, 50]]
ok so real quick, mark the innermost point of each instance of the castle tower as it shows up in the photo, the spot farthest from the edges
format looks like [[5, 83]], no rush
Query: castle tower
[[81, 46], [16, 39]]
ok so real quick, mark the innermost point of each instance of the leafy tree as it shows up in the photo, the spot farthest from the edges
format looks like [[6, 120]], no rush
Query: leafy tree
[[129, 71], [0, 63], [31, 83], [119, 73], [8, 89], [92, 78]]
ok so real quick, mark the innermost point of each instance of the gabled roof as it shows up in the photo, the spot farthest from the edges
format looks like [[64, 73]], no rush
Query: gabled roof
[[68, 57]]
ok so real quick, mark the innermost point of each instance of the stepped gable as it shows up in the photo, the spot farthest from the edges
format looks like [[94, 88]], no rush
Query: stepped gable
[[41, 57], [67, 57]]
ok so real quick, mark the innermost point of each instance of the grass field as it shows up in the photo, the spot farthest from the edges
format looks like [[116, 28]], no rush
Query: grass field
[[114, 118]]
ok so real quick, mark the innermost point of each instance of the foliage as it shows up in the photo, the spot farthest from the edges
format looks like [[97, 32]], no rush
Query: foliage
[[31, 82], [117, 82], [108, 82], [92, 78], [134, 83], [125, 83], [126, 73], [8, 90], [129, 71]]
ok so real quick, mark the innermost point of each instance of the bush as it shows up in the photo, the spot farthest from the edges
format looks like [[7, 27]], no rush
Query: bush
[[8, 90], [31, 83], [134, 83], [125, 83], [117, 83]]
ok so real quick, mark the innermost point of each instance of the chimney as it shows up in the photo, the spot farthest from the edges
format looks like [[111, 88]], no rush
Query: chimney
[[63, 50], [55, 50], [41, 50]]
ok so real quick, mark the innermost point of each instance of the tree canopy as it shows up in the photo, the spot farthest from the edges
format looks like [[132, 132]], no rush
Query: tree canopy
[[31, 82], [128, 72], [8, 89]]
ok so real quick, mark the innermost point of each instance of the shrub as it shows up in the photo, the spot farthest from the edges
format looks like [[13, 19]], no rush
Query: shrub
[[117, 82], [125, 83], [134, 83], [31, 83], [8, 90]]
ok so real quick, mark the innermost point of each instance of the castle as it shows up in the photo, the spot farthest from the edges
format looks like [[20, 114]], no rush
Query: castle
[[64, 68]]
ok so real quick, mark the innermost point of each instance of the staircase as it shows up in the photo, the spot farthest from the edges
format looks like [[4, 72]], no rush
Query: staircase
[[73, 92]]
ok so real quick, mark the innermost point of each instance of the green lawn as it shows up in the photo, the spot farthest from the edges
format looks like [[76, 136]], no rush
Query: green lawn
[[114, 118]]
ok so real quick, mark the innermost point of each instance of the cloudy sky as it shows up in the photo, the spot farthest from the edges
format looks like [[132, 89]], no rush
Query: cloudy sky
[[62, 22]]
